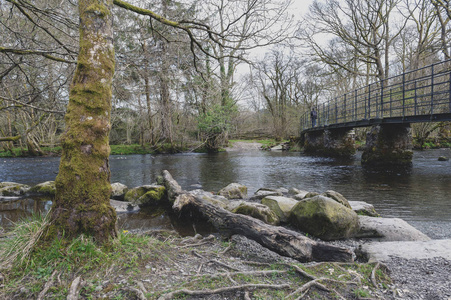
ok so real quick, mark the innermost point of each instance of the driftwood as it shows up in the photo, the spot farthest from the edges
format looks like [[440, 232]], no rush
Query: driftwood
[[278, 239]]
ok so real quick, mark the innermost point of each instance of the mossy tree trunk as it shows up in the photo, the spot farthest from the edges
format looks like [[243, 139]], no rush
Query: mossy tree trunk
[[81, 203]]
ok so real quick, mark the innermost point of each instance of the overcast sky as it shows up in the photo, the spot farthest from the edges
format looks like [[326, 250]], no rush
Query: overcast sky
[[300, 7]]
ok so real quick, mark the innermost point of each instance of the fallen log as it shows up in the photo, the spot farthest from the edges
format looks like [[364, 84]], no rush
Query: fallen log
[[278, 239]]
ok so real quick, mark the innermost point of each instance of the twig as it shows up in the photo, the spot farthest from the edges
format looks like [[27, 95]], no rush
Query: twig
[[300, 271], [142, 287], [197, 254], [226, 249], [308, 285], [223, 264], [138, 292], [171, 295], [373, 275], [200, 268], [46, 287], [247, 296], [231, 279], [73, 290], [195, 245]]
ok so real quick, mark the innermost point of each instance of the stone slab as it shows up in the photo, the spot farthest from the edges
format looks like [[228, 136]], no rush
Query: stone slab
[[382, 251], [389, 229]]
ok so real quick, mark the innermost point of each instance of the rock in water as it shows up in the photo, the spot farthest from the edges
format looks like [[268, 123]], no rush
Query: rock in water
[[45, 188], [280, 205], [234, 191], [146, 195], [118, 191], [324, 218], [337, 197], [258, 211], [13, 189]]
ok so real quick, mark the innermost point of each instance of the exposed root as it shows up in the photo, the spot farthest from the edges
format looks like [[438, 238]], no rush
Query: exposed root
[[214, 261], [171, 295], [255, 273], [73, 290], [139, 294], [307, 286], [300, 271], [47, 285], [373, 275], [247, 296]]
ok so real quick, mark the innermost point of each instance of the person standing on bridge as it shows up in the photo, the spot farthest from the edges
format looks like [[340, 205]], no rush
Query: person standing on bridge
[[314, 116]]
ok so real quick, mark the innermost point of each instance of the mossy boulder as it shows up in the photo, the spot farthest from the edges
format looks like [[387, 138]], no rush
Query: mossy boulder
[[337, 197], [301, 195], [210, 198], [118, 191], [47, 188], [13, 189], [234, 191], [310, 195], [280, 205], [258, 211], [363, 209], [324, 218], [262, 193], [146, 195], [443, 158]]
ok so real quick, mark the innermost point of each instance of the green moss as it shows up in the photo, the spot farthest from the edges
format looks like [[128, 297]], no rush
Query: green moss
[[324, 218], [154, 196], [98, 9], [46, 188], [146, 195], [274, 206], [267, 216]]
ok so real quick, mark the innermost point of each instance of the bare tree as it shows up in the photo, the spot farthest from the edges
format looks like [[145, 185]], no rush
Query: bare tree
[[443, 12], [277, 79], [362, 27]]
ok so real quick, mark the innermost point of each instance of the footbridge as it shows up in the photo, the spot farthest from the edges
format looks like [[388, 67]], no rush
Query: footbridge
[[389, 107]]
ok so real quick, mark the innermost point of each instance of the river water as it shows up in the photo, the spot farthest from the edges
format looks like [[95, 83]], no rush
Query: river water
[[421, 194]]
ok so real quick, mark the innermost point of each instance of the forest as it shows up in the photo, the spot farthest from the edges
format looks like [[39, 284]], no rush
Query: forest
[[193, 74]]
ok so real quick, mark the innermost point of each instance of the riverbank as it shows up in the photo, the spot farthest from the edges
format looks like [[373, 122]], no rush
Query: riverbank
[[163, 265], [234, 145]]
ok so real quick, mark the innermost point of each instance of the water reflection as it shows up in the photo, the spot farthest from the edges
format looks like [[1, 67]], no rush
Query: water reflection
[[418, 194], [15, 210]]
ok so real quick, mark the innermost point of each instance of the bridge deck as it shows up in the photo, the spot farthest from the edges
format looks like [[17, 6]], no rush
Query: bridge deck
[[422, 95]]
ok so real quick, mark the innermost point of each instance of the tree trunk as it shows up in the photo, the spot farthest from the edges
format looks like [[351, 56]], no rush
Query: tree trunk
[[81, 203], [278, 239]]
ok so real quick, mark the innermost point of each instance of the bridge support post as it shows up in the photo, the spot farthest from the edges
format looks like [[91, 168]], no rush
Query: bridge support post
[[388, 144], [330, 142]]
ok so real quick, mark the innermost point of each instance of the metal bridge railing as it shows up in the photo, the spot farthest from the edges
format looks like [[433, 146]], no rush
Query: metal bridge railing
[[422, 92]]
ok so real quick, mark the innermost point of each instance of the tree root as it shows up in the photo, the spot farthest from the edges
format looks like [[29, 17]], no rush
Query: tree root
[[373, 275], [47, 285], [73, 290], [244, 287], [307, 286], [139, 294]]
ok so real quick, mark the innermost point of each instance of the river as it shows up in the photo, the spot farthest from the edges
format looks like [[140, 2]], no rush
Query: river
[[421, 195]]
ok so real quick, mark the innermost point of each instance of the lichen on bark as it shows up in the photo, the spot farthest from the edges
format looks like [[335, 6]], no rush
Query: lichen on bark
[[83, 188]]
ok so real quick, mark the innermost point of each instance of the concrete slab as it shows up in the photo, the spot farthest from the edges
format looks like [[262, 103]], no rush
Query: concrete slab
[[381, 251]]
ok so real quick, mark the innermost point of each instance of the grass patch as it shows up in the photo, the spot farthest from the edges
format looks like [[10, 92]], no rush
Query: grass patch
[[138, 265], [130, 149]]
